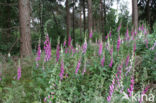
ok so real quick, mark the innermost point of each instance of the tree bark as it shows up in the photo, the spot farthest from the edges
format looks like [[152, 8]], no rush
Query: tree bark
[[135, 15], [25, 36], [89, 16], [101, 19], [84, 17], [67, 18], [80, 23], [74, 22]]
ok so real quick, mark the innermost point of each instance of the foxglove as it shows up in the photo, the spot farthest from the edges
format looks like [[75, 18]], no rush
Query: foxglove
[[103, 61], [111, 63], [90, 35], [127, 60], [19, 72], [57, 53], [78, 66], [118, 43], [69, 41], [84, 47], [127, 35], [100, 47], [47, 48], [111, 90], [130, 90]]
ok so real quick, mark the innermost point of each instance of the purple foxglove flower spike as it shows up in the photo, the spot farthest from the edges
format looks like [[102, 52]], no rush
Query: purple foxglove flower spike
[[103, 61], [78, 66], [111, 63], [64, 44], [118, 43], [127, 60], [130, 90], [38, 53], [100, 47], [47, 48], [111, 90], [127, 35], [69, 41], [57, 53], [90, 34], [84, 47], [19, 72], [111, 51], [142, 27]]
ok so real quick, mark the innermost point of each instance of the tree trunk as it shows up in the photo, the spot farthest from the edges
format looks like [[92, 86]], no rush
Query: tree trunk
[[67, 18], [89, 16], [101, 19], [74, 22], [135, 15], [41, 21], [80, 23], [84, 16], [25, 36], [104, 16]]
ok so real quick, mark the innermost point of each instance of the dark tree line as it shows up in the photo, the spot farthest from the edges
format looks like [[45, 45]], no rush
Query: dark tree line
[[87, 15]]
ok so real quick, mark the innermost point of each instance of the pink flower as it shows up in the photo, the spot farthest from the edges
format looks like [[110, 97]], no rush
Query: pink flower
[[64, 44], [100, 48], [19, 73], [111, 51], [84, 47], [78, 66], [38, 53], [47, 48], [111, 90], [45, 99], [127, 35], [118, 43], [90, 35], [102, 61], [111, 63], [127, 60], [57, 53], [69, 41], [130, 90], [62, 69]]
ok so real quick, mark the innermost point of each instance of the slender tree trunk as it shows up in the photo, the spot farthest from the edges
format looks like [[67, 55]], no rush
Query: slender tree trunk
[[101, 18], [148, 14], [25, 36], [41, 21], [74, 22], [135, 15], [84, 16], [67, 18], [80, 23], [89, 16], [104, 16]]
